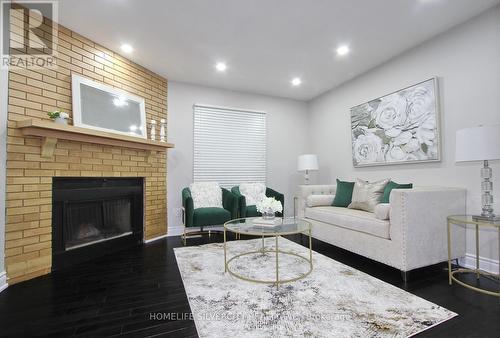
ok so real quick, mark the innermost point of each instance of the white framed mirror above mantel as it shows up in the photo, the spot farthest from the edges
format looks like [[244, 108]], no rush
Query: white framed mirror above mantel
[[101, 115], [102, 107]]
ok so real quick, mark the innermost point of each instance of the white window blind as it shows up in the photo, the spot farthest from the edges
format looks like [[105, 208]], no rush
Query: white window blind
[[229, 146]]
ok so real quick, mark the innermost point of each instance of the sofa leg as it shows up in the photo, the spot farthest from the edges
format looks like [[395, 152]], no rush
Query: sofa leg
[[405, 276]]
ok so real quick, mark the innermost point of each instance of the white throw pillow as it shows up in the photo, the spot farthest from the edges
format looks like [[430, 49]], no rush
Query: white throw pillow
[[366, 195], [253, 192], [319, 200], [382, 211], [206, 195]]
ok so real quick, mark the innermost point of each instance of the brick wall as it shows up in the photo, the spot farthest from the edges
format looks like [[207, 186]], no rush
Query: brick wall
[[34, 92]]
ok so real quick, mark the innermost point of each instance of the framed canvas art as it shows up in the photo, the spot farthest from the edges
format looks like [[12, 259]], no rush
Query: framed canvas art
[[402, 127]]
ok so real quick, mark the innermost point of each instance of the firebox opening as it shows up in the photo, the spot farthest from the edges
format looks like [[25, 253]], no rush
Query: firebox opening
[[95, 216]]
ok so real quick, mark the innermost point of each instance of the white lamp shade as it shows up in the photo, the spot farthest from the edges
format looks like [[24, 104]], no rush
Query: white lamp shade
[[478, 144], [307, 162]]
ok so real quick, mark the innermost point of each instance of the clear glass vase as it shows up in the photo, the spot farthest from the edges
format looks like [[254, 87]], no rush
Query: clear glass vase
[[268, 214]]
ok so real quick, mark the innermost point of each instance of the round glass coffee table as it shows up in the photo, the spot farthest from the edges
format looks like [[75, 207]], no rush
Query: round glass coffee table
[[283, 226]]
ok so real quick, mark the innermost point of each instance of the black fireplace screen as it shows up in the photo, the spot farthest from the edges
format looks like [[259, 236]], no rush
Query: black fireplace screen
[[89, 222], [92, 217]]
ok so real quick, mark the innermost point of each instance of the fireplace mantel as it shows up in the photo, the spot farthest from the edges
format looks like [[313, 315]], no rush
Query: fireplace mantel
[[51, 132]]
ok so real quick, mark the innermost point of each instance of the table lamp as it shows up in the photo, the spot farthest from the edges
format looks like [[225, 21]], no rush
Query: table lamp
[[481, 144], [306, 163]]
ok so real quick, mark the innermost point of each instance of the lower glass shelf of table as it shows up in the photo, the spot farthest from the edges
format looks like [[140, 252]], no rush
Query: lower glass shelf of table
[[455, 274], [281, 227]]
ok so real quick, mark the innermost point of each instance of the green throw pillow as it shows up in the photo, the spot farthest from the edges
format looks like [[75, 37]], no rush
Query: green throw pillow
[[343, 195], [393, 185]]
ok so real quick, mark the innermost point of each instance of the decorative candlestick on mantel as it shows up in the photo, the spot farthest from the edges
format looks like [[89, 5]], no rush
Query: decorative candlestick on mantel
[[162, 130], [152, 132]]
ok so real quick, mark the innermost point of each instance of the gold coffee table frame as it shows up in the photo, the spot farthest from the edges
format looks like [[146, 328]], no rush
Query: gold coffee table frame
[[254, 231], [463, 220]]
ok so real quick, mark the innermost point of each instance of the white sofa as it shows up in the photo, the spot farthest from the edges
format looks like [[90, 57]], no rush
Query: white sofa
[[414, 236]]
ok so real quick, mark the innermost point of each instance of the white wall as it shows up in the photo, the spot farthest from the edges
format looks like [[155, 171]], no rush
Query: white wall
[[3, 138], [286, 139], [467, 62]]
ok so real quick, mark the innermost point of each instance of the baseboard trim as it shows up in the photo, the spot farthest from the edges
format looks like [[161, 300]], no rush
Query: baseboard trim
[[3, 281], [175, 231], [155, 238], [486, 264]]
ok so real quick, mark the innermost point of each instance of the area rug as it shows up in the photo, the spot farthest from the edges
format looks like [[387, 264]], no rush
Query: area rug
[[335, 300]]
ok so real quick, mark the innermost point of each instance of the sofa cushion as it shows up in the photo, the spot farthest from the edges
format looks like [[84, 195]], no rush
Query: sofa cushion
[[382, 211], [319, 200], [393, 185], [343, 194], [366, 195], [353, 219], [210, 216]]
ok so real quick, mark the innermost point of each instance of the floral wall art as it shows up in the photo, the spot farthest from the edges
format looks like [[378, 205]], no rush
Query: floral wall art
[[402, 127]]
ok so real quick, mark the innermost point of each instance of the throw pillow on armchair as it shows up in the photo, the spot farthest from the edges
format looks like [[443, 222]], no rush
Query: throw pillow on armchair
[[206, 194], [253, 192]]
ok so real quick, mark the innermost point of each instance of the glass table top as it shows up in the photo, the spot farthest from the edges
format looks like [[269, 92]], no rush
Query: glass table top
[[283, 226], [470, 219]]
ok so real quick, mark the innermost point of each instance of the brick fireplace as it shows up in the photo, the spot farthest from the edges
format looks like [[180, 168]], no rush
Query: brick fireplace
[[33, 93]]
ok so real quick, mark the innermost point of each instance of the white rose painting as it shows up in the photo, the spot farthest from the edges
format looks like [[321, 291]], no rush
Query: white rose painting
[[401, 127]]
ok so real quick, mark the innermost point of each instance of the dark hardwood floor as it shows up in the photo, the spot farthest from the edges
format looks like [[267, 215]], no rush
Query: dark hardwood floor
[[116, 295]]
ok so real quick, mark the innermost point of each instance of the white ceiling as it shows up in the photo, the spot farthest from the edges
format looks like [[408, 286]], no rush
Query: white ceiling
[[265, 43]]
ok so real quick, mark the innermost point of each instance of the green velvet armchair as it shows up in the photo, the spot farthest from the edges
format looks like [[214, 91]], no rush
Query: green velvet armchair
[[245, 210], [205, 217]]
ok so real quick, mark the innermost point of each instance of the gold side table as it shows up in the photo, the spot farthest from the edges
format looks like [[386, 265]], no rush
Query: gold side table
[[285, 226], [452, 274]]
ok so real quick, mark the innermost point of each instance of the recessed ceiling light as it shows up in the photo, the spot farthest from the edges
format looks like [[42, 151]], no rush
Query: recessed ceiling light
[[296, 81], [126, 48], [221, 66], [343, 50]]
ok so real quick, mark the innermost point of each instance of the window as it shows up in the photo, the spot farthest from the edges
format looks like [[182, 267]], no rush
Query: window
[[229, 146]]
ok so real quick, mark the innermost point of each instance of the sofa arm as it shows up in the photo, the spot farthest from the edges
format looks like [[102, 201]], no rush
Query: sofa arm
[[278, 196], [418, 220], [187, 204], [306, 190], [230, 203], [242, 202]]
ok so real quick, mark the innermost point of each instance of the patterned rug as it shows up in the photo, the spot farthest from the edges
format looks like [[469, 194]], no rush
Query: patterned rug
[[335, 300]]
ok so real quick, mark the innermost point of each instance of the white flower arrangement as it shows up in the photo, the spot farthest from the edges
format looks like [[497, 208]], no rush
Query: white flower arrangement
[[269, 205]]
